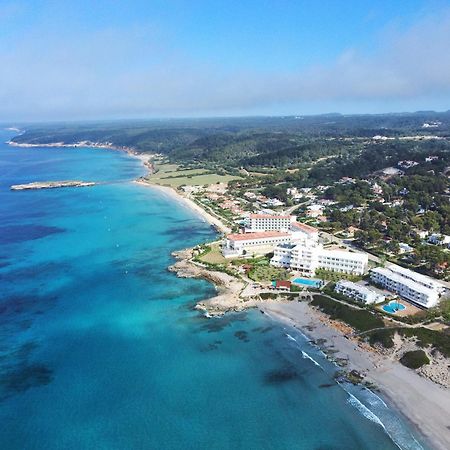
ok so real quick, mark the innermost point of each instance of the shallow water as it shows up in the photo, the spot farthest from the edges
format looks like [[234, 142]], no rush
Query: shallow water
[[100, 346]]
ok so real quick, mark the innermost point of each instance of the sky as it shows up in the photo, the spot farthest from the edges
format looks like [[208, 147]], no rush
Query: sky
[[97, 59]]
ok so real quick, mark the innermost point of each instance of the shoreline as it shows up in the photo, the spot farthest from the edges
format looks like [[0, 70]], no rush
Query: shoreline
[[175, 195], [144, 159], [421, 402], [401, 387]]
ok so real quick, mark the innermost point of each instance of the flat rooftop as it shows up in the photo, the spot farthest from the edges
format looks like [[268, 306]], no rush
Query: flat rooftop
[[253, 236]]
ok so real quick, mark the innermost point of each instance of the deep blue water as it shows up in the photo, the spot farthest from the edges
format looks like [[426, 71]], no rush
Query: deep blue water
[[100, 347]]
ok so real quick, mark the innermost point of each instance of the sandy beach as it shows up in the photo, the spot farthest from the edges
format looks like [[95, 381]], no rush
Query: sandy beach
[[168, 191], [424, 403]]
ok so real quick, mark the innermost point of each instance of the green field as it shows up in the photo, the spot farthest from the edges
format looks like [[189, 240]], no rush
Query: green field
[[172, 175], [214, 255]]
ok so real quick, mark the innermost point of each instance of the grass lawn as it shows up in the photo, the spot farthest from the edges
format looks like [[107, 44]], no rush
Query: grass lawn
[[268, 273], [172, 175], [214, 256]]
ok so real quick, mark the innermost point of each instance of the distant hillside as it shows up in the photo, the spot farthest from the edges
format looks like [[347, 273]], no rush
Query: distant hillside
[[275, 142]]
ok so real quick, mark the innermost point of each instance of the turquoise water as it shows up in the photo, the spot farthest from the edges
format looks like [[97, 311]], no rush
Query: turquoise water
[[100, 347], [306, 282], [393, 306]]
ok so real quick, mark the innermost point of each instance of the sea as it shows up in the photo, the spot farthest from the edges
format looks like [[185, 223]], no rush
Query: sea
[[101, 347]]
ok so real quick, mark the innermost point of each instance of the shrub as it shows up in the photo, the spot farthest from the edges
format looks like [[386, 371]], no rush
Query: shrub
[[383, 337], [361, 320], [437, 339], [415, 359]]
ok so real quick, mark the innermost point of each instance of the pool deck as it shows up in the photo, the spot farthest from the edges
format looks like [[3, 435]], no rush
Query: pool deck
[[410, 310], [310, 282]]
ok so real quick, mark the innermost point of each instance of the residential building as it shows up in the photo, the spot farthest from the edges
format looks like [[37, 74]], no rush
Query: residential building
[[315, 210], [407, 164], [392, 171], [421, 233], [377, 189], [439, 239], [307, 256], [274, 202], [359, 292], [418, 289], [405, 248]]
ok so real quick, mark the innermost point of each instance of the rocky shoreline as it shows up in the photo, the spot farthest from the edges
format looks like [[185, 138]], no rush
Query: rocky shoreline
[[228, 288], [51, 185], [105, 145]]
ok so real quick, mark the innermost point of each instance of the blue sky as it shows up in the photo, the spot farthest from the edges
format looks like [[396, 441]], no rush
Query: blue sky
[[115, 59]]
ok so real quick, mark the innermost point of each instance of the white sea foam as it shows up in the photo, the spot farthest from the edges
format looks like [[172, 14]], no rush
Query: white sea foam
[[364, 410], [290, 337], [393, 428], [306, 356], [374, 399]]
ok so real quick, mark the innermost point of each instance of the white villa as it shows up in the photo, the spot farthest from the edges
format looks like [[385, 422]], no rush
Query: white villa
[[359, 292], [412, 286]]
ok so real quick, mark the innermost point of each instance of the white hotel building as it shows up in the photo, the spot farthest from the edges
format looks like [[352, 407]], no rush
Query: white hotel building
[[295, 246], [359, 292], [268, 222], [412, 286], [253, 243], [308, 255], [264, 232]]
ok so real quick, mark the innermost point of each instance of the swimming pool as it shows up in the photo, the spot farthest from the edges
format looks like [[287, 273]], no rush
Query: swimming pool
[[393, 306], [307, 282]]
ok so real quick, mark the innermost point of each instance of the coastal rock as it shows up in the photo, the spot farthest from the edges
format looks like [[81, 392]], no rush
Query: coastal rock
[[51, 185]]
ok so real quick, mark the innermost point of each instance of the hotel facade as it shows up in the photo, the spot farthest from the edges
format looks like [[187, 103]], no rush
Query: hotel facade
[[308, 256], [267, 222], [412, 286], [358, 292], [253, 243]]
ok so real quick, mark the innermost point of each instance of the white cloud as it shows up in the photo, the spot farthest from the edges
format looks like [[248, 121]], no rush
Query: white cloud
[[113, 73]]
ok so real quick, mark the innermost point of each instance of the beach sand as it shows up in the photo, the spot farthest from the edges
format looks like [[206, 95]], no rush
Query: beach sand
[[424, 403], [168, 191]]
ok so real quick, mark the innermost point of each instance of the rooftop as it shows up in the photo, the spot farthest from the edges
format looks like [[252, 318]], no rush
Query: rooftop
[[306, 228], [268, 216], [357, 287], [252, 236], [400, 279], [418, 277]]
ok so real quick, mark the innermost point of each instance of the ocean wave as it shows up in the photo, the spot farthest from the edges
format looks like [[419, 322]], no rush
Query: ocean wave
[[388, 421], [290, 337], [392, 426], [304, 354], [374, 399], [364, 410]]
